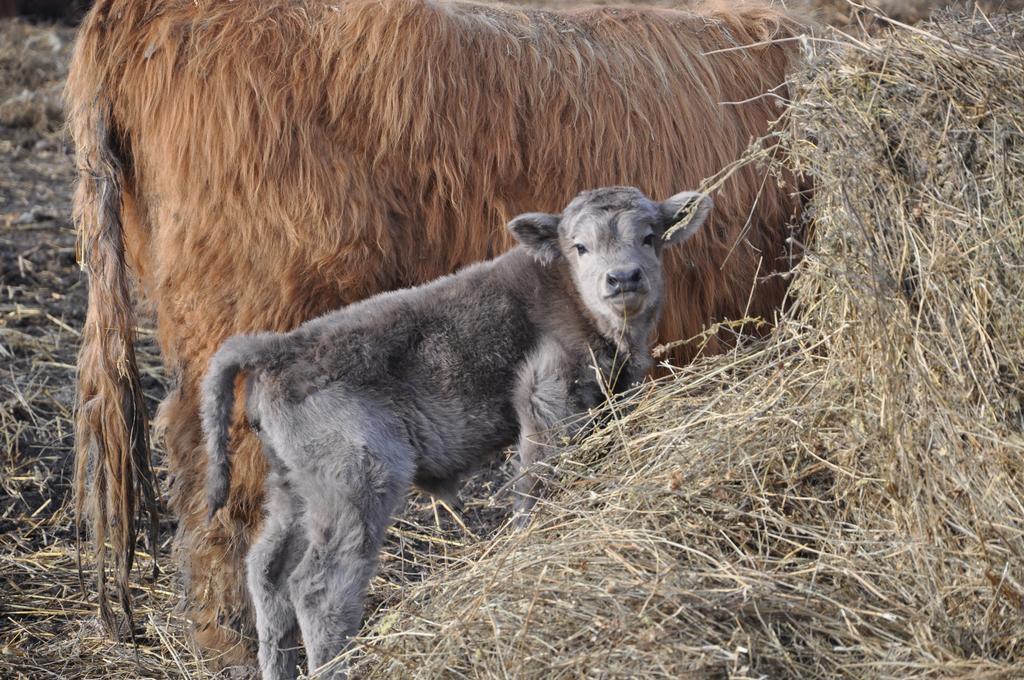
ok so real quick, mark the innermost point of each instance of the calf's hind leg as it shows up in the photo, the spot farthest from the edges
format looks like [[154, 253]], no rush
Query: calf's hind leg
[[357, 491], [271, 560]]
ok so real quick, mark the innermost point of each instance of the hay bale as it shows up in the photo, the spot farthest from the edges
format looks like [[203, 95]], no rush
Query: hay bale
[[844, 499]]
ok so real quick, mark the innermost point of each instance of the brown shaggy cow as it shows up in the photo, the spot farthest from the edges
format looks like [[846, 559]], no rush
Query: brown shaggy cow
[[254, 164]]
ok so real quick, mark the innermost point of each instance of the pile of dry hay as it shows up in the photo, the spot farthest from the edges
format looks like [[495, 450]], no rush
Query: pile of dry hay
[[846, 499]]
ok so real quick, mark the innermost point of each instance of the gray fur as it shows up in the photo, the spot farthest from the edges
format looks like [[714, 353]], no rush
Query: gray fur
[[419, 386]]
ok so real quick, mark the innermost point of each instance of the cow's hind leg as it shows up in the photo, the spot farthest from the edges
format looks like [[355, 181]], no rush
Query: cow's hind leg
[[272, 558], [358, 490], [211, 555]]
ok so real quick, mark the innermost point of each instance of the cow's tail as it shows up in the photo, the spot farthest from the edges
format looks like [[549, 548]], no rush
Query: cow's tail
[[237, 354], [115, 489]]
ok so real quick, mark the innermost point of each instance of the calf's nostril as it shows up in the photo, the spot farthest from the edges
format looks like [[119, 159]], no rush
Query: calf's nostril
[[624, 281]]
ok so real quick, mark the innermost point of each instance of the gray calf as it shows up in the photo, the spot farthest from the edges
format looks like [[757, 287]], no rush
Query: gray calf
[[418, 386]]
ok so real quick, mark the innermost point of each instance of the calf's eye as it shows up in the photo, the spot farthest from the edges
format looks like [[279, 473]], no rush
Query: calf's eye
[[580, 248], [649, 240]]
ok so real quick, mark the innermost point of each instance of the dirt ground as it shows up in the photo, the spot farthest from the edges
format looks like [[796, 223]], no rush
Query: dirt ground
[[42, 304], [47, 622], [42, 307]]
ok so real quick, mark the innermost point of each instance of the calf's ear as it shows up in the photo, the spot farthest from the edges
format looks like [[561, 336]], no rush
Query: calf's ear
[[684, 214], [538, 232]]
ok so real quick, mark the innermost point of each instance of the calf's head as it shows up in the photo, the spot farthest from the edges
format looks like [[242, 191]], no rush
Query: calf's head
[[612, 241]]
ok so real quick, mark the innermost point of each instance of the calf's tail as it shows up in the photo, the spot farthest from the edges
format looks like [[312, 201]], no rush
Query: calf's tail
[[237, 354]]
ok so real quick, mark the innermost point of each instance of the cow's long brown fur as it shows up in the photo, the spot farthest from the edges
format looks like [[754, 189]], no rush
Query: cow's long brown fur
[[284, 157]]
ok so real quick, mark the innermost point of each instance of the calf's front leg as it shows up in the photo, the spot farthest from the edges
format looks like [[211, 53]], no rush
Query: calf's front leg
[[543, 400], [527, 484]]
